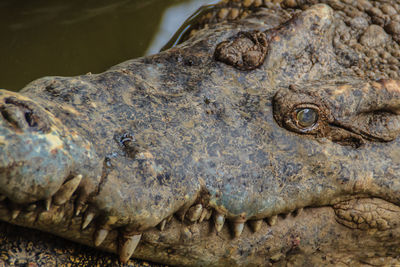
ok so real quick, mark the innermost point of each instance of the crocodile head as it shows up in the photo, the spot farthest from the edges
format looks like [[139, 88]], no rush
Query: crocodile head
[[248, 121]]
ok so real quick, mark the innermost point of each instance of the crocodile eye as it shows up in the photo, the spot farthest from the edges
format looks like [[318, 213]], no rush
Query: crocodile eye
[[306, 117]]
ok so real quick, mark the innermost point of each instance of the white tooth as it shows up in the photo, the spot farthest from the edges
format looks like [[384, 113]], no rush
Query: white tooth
[[272, 220], [87, 219], [47, 204], [255, 225], [238, 228], [2, 197], [194, 213], [78, 209], [162, 224], [80, 203], [203, 215], [14, 213], [128, 247], [66, 190], [100, 236], [219, 221]]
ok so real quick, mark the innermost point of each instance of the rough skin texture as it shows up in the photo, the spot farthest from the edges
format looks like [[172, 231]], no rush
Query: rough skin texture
[[269, 137]]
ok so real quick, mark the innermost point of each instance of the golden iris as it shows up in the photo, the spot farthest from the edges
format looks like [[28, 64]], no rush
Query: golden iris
[[307, 117]]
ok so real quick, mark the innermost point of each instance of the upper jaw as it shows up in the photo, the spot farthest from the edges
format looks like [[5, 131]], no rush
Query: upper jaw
[[38, 152]]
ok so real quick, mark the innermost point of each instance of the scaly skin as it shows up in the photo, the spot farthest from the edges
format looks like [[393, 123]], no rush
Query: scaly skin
[[215, 126]]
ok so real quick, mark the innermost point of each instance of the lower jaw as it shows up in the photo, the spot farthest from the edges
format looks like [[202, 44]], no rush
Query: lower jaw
[[315, 237]]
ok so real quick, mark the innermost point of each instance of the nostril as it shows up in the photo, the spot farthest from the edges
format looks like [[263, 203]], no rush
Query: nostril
[[31, 119], [5, 115], [14, 116], [22, 114]]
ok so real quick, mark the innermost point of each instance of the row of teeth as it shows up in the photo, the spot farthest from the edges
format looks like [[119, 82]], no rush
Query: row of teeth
[[59, 198], [128, 241], [197, 214]]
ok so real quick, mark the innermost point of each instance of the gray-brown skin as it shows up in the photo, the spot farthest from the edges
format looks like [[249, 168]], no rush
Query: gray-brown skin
[[206, 123]]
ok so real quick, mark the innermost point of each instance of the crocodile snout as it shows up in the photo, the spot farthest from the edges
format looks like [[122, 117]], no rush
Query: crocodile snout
[[33, 159]]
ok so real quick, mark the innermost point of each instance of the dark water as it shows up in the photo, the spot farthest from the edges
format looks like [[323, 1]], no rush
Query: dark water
[[66, 38]]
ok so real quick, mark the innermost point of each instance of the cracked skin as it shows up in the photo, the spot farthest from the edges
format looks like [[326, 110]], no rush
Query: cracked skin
[[267, 137]]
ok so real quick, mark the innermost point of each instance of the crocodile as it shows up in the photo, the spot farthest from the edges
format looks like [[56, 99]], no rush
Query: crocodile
[[267, 137]]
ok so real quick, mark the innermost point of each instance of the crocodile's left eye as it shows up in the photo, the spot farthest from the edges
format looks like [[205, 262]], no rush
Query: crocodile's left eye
[[306, 117]]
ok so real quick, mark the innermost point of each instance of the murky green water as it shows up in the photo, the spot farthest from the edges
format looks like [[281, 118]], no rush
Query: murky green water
[[58, 37]]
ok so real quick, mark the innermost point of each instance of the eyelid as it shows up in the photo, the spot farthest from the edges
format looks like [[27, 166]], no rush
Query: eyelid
[[306, 105]]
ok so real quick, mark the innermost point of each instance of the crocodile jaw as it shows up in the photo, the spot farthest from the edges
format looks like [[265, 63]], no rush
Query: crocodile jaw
[[351, 231], [101, 226]]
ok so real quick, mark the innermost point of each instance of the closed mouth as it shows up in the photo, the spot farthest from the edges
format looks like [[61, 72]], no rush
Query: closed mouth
[[65, 215]]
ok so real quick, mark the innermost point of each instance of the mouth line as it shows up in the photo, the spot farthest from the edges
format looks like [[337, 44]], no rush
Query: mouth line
[[357, 212], [191, 227], [289, 234]]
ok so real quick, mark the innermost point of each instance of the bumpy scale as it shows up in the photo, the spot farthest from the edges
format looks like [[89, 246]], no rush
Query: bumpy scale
[[282, 116]]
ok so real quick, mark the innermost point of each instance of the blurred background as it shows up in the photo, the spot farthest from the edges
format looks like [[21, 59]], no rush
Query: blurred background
[[66, 38]]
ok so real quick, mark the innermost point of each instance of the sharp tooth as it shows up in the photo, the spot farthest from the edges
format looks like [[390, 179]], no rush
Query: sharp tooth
[[194, 212], [255, 225], [66, 190], [87, 219], [219, 220], [47, 204], [272, 220], [162, 224], [238, 228], [80, 203], [128, 246], [78, 209], [15, 212], [100, 236], [2, 197], [203, 215]]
